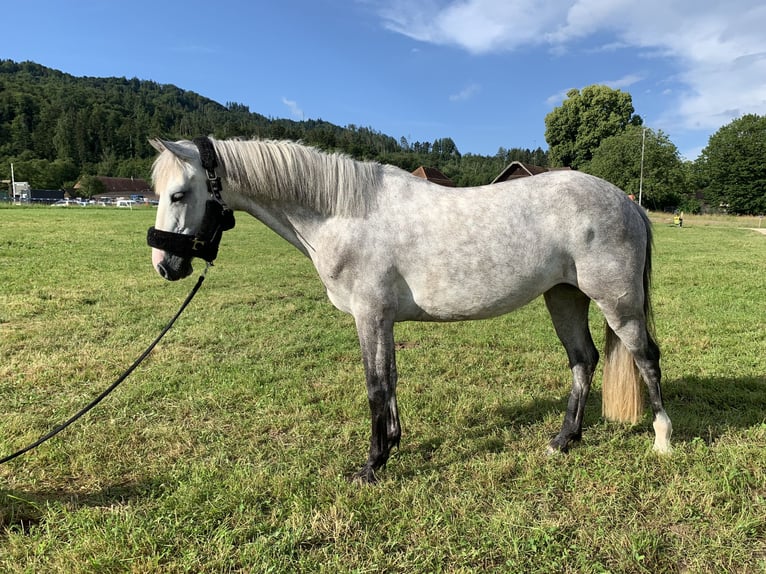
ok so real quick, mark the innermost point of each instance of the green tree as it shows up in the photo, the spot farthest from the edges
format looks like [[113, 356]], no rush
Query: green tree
[[661, 183], [445, 148], [733, 166], [90, 185], [576, 128]]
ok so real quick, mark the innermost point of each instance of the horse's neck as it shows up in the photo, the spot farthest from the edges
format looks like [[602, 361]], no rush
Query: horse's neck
[[296, 225]]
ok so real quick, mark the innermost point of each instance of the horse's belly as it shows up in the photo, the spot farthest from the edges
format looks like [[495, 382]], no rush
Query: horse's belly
[[464, 300]]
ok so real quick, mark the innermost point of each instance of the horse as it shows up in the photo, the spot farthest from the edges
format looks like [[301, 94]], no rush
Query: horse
[[389, 247]]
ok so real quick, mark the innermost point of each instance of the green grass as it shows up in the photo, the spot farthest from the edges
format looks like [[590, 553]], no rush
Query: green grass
[[229, 449]]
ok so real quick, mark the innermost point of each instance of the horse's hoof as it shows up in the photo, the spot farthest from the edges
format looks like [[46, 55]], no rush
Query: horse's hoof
[[552, 451], [556, 448], [663, 428], [365, 475]]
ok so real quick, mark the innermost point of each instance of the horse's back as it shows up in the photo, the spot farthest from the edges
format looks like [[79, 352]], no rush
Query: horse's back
[[533, 218], [562, 196]]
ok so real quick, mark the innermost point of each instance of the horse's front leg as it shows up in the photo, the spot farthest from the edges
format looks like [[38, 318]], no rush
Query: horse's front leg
[[376, 337]]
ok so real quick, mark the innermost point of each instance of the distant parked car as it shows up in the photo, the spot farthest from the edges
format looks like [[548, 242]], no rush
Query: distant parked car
[[68, 202], [125, 203]]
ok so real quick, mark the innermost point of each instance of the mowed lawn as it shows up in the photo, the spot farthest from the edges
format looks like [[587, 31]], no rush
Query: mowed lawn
[[230, 448]]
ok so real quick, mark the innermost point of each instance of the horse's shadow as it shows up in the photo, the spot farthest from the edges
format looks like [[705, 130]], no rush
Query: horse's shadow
[[22, 511], [700, 408], [708, 407]]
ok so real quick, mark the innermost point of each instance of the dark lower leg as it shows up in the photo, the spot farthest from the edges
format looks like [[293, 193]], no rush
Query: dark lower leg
[[385, 434], [571, 430], [377, 341], [568, 308]]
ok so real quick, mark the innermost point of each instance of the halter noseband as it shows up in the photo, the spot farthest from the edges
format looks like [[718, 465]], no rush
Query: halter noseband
[[217, 219]]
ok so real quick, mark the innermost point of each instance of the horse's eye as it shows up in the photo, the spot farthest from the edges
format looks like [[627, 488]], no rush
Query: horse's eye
[[177, 196]]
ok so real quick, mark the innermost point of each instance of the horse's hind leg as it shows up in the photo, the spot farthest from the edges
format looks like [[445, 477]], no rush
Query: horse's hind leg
[[568, 307], [646, 355], [376, 337], [649, 367]]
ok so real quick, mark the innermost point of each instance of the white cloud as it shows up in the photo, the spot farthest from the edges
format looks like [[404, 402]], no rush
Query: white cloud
[[466, 93], [624, 82], [618, 84], [479, 26], [295, 111], [557, 98], [718, 48]]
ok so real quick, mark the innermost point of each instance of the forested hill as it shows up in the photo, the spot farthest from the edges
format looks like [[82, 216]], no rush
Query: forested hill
[[56, 128]]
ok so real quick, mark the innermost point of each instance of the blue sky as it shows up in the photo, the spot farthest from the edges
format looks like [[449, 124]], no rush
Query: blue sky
[[483, 72]]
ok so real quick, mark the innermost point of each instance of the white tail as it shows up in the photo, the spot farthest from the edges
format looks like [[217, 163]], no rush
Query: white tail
[[622, 395]]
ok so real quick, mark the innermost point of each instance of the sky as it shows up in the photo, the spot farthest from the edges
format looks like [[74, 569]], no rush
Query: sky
[[483, 72]]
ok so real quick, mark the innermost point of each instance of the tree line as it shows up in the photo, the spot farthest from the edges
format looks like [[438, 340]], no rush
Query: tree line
[[57, 129], [596, 130]]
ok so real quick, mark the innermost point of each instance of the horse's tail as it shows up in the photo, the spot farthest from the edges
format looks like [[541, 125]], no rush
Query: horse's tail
[[622, 394]]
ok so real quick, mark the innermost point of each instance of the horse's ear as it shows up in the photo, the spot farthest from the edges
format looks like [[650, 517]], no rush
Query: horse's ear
[[157, 144], [184, 150]]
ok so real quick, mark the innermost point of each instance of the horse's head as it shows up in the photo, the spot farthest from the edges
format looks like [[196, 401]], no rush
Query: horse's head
[[191, 216]]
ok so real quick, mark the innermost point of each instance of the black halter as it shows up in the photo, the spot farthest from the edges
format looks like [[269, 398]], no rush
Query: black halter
[[217, 219]]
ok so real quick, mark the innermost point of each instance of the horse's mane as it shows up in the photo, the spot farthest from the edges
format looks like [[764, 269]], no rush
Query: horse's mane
[[329, 183]]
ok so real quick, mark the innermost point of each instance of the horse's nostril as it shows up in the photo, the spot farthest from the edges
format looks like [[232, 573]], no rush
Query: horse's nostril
[[173, 270]]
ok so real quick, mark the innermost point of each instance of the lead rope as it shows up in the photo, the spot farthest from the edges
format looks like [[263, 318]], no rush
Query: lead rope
[[114, 385]]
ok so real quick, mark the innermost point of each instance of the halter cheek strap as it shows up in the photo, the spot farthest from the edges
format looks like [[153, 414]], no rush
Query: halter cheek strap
[[217, 219], [209, 161]]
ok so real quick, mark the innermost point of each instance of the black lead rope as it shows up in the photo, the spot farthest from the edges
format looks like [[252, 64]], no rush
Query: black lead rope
[[110, 388]]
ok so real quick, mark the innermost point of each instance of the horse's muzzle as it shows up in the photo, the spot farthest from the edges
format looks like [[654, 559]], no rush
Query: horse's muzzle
[[171, 267]]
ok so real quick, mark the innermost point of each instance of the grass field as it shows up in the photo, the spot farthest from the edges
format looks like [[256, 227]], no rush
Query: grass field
[[229, 449]]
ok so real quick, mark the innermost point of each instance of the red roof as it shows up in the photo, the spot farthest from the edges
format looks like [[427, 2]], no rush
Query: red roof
[[517, 169], [434, 175], [123, 186]]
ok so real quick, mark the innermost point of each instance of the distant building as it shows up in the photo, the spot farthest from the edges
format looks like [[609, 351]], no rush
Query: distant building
[[517, 169], [123, 188], [20, 191], [434, 175]]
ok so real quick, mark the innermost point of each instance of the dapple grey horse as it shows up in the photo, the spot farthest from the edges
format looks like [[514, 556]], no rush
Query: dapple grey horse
[[389, 247]]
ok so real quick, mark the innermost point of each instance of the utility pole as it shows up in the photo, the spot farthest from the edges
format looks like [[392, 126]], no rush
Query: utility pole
[[641, 176]]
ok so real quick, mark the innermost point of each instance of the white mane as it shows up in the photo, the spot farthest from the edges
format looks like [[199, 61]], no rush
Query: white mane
[[332, 184]]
